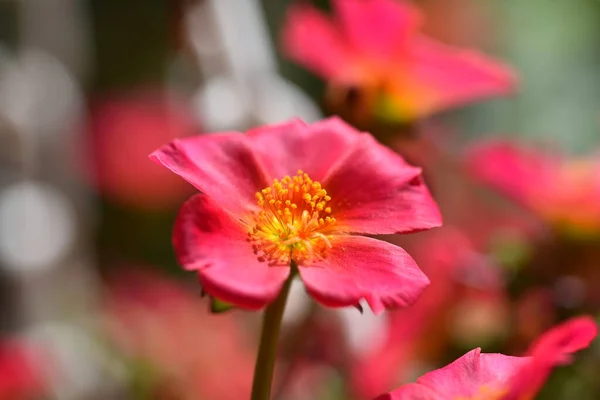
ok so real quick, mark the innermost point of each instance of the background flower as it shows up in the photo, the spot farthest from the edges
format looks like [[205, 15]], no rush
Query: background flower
[[21, 371], [562, 191], [122, 129], [374, 50], [496, 376], [175, 348]]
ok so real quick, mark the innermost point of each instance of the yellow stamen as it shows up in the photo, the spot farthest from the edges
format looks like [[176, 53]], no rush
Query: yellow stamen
[[294, 222]]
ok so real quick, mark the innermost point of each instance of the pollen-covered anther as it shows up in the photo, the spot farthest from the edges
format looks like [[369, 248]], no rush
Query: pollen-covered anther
[[294, 223]]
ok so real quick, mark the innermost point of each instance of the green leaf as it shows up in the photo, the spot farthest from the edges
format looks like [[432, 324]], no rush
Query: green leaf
[[218, 306]]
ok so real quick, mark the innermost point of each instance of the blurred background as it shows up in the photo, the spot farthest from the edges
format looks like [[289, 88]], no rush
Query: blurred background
[[93, 304]]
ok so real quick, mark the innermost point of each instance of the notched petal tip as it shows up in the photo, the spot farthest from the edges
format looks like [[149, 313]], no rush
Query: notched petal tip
[[377, 306], [160, 156], [222, 165], [359, 307], [359, 268]]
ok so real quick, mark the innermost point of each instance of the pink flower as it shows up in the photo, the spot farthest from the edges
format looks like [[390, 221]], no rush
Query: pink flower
[[564, 192], [193, 353], [297, 193], [375, 46], [450, 261], [122, 129], [21, 377], [477, 376]]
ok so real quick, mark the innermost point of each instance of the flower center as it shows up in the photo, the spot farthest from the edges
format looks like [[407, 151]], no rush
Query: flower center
[[295, 222]]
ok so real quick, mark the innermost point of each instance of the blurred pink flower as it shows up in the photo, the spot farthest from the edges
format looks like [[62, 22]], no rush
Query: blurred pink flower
[[21, 378], [564, 192], [242, 232], [122, 129], [194, 354], [375, 47], [452, 264], [477, 376]]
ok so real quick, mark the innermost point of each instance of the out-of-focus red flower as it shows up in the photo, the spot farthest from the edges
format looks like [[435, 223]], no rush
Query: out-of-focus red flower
[[498, 377], [564, 192], [21, 377], [452, 264], [374, 49], [331, 181], [122, 129], [193, 354]]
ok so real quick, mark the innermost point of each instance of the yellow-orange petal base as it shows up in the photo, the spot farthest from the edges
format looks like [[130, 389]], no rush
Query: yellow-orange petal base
[[486, 393]]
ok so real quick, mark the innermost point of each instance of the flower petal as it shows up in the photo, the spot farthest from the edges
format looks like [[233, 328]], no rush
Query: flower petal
[[311, 39], [358, 267], [223, 166], [293, 145], [412, 391], [473, 373], [520, 173], [378, 27], [445, 77], [553, 348], [209, 240], [374, 191], [557, 344]]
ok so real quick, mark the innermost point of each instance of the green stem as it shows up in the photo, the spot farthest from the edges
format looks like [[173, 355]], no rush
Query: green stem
[[267, 350]]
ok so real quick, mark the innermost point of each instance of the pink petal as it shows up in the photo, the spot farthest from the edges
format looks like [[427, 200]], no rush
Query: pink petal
[[558, 343], [209, 240], [358, 267], [553, 348], [412, 391], [518, 172], [293, 145], [471, 373], [223, 166], [441, 257], [375, 191], [471, 376], [310, 39], [445, 77], [377, 28]]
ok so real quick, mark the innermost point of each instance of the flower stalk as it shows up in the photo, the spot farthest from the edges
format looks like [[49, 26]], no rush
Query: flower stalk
[[267, 350]]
